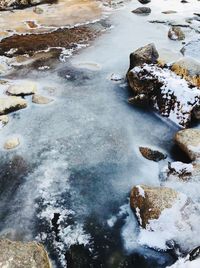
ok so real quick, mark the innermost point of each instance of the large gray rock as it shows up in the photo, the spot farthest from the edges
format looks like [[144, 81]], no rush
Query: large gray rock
[[147, 54], [23, 255]]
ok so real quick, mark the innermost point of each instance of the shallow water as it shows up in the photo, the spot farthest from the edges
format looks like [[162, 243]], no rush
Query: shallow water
[[79, 155]]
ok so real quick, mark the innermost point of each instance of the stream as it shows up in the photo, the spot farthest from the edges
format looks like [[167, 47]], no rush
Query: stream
[[68, 184]]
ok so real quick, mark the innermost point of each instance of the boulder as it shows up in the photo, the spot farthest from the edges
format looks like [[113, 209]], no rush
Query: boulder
[[191, 49], [150, 154], [10, 104], [23, 255], [12, 143], [39, 99], [142, 10], [169, 94], [147, 54], [189, 141], [22, 89], [149, 202], [188, 68], [175, 33]]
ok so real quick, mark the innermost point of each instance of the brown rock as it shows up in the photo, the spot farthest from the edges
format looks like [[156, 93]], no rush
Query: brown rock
[[148, 202], [189, 141], [150, 154], [23, 255], [189, 69]]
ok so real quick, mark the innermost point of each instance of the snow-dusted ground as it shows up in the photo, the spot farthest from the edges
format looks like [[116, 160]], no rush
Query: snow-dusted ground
[[83, 148]]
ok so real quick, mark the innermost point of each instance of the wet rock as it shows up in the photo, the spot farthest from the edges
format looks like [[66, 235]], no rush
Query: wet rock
[[22, 89], [189, 141], [39, 99], [150, 154], [189, 69], [149, 202], [191, 49], [23, 255], [142, 11], [147, 54], [144, 1], [4, 119], [10, 104], [175, 33], [168, 93], [11, 4], [12, 143]]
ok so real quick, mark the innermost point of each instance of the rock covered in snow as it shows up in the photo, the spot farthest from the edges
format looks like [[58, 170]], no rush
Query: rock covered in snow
[[189, 69], [10, 104], [189, 141], [4, 119], [178, 170], [150, 154], [12, 143], [175, 33], [147, 54], [171, 95], [149, 202], [23, 255], [22, 89]]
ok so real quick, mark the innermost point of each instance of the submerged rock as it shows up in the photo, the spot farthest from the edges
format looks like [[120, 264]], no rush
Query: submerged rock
[[23, 255], [191, 49], [147, 54], [188, 68], [169, 12], [175, 33], [12, 143], [189, 141], [149, 202], [150, 154], [171, 95], [10, 104], [25, 88], [39, 99], [142, 10]]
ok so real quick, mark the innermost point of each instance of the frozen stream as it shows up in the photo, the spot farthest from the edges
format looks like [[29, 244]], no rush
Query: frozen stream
[[69, 181]]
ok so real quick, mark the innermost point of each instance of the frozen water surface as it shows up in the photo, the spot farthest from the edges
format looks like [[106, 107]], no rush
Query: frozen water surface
[[79, 156]]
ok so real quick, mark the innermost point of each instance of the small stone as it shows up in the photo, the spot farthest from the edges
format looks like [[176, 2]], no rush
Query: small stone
[[144, 2], [39, 99], [169, 12], [4, 119], [25, 88], [38, 10], [142, 11], [11, 143], [152, 155], [175, 33]]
